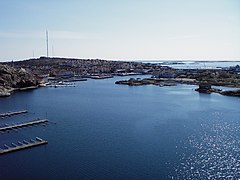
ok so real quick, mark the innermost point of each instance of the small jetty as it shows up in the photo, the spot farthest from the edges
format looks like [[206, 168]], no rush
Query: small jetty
[[23, 124], [75, 79], [22, 145], [8, 114]]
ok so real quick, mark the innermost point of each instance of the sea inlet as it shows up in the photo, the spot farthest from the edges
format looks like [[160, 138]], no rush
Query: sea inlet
[[100, 130]]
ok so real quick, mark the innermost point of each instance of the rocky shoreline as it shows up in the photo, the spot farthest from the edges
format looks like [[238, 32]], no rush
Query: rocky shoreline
[[157, 81], [28, 74], [231, 93], [14, 79], [4, 92], [203, 87]]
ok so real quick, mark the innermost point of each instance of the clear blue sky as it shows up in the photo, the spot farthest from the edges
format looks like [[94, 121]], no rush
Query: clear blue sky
[[121, 29]]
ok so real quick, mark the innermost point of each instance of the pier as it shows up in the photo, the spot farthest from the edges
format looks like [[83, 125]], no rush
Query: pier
[[23, 125], [23, 145], [8, 114]]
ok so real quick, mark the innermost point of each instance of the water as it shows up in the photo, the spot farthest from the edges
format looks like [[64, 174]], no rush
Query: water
[[99, 130], [197, 64]]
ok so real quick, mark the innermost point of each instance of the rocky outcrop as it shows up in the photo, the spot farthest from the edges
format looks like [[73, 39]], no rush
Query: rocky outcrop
[[136, 82], [207, 88], [231, 93], [15, 79], [156, 81], [4, 92]]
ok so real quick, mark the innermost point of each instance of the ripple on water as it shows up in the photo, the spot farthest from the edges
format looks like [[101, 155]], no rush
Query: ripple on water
[[216, 152]]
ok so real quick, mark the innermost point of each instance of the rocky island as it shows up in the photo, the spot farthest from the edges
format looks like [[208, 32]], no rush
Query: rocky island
[[203, 87]]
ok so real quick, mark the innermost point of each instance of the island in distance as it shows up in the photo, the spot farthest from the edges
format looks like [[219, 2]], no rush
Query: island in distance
[[33, 73]]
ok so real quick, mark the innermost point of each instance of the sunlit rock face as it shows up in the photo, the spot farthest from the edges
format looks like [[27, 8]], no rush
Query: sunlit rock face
[[11, 78]]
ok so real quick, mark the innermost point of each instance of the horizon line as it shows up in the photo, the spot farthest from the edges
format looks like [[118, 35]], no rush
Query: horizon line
[[111, 59]]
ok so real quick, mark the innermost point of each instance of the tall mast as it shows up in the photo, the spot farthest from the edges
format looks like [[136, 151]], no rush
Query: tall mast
[[52, 51], [47, 41]]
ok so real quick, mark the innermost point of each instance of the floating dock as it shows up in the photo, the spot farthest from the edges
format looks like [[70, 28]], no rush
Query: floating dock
[[8, 114], [23, 145], [23, 124]]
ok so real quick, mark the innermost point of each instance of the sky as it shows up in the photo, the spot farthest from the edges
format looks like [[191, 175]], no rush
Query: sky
[[121, 29]]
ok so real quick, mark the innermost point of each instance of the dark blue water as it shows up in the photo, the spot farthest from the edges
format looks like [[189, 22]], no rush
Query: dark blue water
[[99, 130]]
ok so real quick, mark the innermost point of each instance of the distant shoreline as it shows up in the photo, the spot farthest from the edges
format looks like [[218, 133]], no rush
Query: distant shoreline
[[29, 73], [126, 60]]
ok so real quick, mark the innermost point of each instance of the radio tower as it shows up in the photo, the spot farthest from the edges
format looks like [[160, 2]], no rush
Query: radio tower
[[47, 41]]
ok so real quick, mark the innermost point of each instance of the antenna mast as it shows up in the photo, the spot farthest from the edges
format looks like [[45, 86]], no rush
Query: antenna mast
[[52, 51], [47, 41]]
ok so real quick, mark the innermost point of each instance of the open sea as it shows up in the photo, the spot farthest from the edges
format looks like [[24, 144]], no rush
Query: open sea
[[195, 64], [100, 130]]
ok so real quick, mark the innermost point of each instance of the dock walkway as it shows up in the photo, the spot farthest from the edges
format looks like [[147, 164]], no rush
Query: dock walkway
[[23, 145], [23, 124], [8, 114]]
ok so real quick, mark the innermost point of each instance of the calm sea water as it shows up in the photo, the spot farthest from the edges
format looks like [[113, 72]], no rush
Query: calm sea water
[[99, 130], [197, 64]]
